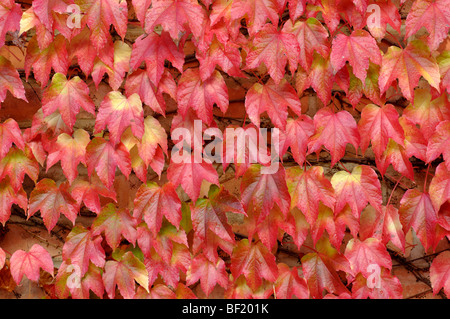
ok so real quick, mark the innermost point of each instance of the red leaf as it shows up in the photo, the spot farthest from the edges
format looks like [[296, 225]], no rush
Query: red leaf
[[67, 96], [417, 211], [119, 112], [296, 8], [71, 152], [267, 228], [274, 48], [10, 81], [91, 281], [320, 270], [363, 254], [30, 20], [378, 125], [154, 136], [103, 157], [88, 191], [209, 215], [389, 13], [330, 13], [357, 189], [164, 243], [100, 15], [255, 262], [444, 68], [141, 7], [86, 51], [334, 131], [190, 175], [440, 273], [10, 133], [154, 202], [176, 16], [297, 134], [54, 56], [384, 225], [439, 143], [154, 49], [240, 147], [201, 95], [115, 223], [44, 10], [415, 142], [151, 94], [408, 65], [396, 155], [209, 273], [321, 77], [239, 289], [311, 36], [8, 197], [296, 226], [335, 225], [82, 247], [274, 99], [116, 72], [386, 286], [188, 122], [16, 164], [434, 15], [307, 188], [180, 260], [427, 112], [52, 200], [260, 192], [29, 263], [440, 186], [357, 49], [10, 14], [256, 13], [123, 272], [227, 56], [289, 283]]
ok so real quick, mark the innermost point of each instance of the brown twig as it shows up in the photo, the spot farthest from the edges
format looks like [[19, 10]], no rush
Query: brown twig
[[416, 271]]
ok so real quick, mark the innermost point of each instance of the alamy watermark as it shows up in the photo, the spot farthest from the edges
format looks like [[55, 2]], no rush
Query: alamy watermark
[[237, 145], [374, 279], [374, 19], [74, 279], [74, 19]]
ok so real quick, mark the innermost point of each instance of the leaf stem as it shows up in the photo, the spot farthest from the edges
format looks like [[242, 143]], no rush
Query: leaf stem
[[257, 77], [344, 167], [313, 249], [395, 38], [12, 53], [426, 177], [392, 192], [6, 251]]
